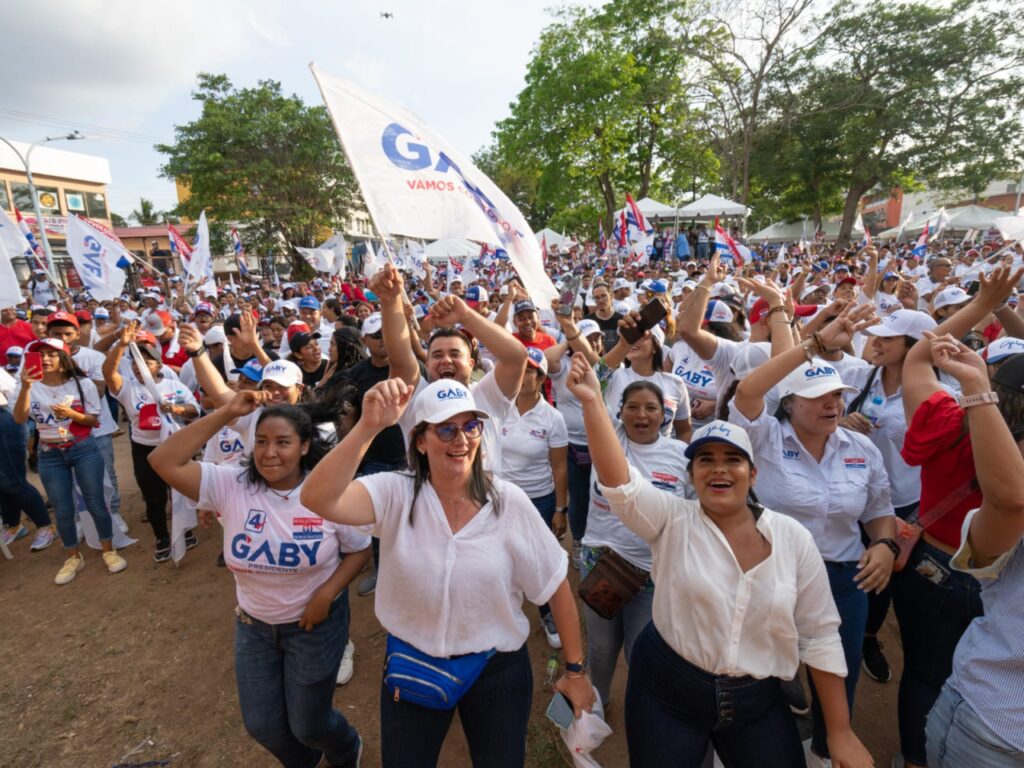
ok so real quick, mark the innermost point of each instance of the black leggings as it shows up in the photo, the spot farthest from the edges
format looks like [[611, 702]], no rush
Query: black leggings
[[155, 492]]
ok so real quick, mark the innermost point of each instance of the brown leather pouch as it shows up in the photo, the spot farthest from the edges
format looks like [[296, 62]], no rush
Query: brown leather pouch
[[611, 584]]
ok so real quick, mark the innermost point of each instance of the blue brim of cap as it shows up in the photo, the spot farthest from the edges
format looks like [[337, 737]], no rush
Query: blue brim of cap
[[691, 449]]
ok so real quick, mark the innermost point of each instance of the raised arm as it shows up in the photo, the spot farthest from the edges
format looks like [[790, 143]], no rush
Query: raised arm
[[605, 451], [871, 276], [691, 317], [388, 284], [207, 375], [111, 374]]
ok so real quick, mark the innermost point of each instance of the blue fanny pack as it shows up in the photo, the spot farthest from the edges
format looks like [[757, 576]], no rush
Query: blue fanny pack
[[413, 676]]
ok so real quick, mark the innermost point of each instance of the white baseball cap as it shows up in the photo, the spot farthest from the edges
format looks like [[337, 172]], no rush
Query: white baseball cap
[[442, 400], [588, 327], [372, 324], [718, 312], [535, 358], [950, 296], [997, 351], [720, 432], [283, 372], [750, 357], [812, 380], [620, 283], [903, 322], [215, 335]]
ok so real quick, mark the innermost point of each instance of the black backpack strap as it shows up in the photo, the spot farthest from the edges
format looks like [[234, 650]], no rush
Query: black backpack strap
[[858, 401]]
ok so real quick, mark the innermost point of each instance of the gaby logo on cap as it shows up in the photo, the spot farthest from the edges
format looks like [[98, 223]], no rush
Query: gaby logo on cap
[[452, 393], [822, 370]]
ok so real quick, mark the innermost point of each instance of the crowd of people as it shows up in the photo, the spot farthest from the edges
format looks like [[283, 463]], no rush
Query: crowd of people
[[747, 465]]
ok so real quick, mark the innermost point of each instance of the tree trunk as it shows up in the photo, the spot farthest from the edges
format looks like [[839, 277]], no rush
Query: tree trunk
[[608, 193], [856, 191]]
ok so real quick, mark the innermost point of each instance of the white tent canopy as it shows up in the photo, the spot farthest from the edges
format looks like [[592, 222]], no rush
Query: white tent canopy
[[456, 247], [959, 219], [553, 238], [791, 232], [712, 205]]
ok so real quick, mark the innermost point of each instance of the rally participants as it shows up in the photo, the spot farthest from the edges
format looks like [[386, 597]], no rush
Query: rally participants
[[145, 418], [828, 478], [699, 379], [459, 551], [165, 331], [660, 461], [742, 599], [14, 332], [978, 718], [604, 314], [65, 407], [534, 457], [309, 313], [292, 570], [306, 353]]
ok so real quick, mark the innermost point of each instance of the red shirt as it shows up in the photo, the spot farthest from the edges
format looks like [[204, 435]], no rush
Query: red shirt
[[937, 442], [540, 341], [177, 360], [17, 335]]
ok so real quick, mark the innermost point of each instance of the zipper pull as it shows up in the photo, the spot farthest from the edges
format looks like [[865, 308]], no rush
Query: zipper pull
[[396, 693]]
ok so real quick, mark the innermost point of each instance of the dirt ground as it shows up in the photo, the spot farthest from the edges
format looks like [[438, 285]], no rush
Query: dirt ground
[[136, 669]]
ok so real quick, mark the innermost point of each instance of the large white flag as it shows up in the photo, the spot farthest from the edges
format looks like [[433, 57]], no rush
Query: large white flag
[[415, 183], [12, 244], [321, 259], [200, 266], [96, 256]]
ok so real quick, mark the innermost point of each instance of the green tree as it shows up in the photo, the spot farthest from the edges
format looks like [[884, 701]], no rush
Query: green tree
[[146, 215], [118, 220], [263, 159]]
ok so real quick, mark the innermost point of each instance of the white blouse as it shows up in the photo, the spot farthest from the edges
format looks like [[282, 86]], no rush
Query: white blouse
[[761, 623]]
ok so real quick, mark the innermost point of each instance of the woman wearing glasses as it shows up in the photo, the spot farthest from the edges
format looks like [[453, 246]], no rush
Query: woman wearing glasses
[[459, 551]]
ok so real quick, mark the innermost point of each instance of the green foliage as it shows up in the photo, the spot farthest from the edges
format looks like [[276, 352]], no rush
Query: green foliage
[[263, 159], [118, 220]]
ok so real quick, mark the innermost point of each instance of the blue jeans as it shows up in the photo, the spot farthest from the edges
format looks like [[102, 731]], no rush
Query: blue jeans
[[934, 606], [673, 709], [105, 444], [852, 605], [606, 637], [17, 494], [494, 713], [579, 489], [286, 679], [958, 737], [546, 506], [59, 469]]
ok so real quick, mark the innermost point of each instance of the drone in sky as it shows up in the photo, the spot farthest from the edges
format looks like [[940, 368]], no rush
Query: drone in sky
[[387, 15]]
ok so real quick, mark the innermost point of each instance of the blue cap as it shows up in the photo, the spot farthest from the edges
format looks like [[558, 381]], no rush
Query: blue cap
[[842, 268], [309, 302], [657, 286], [889, 275], [252, 370]]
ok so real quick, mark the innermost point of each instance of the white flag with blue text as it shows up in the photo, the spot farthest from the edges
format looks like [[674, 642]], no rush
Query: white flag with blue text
[[95, 257]]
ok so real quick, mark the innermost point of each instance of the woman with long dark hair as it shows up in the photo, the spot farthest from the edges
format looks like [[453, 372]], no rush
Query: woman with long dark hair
[[65, 406], [292, 570]]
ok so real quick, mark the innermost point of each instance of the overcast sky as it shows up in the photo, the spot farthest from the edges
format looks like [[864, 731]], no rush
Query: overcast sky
[[129, 66]]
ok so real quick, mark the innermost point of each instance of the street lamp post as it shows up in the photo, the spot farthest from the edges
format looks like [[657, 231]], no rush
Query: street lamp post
[[26, 161]]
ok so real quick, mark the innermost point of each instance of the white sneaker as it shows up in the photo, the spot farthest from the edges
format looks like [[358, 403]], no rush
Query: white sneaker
[[70, 569], [114, 562], [348, 667], [122, 526], [44, 538], [551, 631]]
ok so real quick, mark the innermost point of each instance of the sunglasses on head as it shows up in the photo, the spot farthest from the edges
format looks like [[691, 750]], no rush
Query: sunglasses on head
[[447, 432]]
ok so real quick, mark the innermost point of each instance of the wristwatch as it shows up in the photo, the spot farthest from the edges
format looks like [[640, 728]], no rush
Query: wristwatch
[[983, 398], [198, 352], [563, 510], [890, 543], [577, 668]]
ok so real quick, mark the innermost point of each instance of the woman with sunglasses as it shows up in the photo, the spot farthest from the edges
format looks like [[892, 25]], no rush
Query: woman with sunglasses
[[459, 551], [742, 598]]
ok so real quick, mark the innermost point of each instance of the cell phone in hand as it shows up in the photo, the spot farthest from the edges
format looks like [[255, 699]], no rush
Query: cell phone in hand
[[652, 314], [560, 711], [34, 363], [567, 298]]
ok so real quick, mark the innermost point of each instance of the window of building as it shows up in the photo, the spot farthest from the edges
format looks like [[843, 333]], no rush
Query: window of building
[[96, 205], [75, 201], [5, 198], [49, 202]]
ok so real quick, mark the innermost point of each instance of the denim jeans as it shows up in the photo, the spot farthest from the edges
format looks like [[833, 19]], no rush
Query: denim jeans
[[59, 469], [852, 605], [957, 737], [878, 604], [17, 494], [606, 637], [546, 506], [494, 713], [673, 709], [932, 617], [579, 489], [105, 444], [286, 679]]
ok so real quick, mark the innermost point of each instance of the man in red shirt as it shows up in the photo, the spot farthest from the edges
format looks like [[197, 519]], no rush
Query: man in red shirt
[[13, 332], [527, 323], [162, 326]]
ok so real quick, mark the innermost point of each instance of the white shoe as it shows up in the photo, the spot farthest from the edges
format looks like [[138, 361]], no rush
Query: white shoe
[[551, 631], [70, 569], [114, 562], [44, 538], [122, 526], [348, 667]]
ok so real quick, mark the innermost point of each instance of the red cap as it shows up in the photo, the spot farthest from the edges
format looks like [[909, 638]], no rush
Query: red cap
[[297, 327], [760, 309], [145, 337], [62, 317], [51, 343], [83, 316], [852, 280]]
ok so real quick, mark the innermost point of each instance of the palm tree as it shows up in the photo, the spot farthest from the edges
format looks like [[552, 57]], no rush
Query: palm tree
[[146, 215]]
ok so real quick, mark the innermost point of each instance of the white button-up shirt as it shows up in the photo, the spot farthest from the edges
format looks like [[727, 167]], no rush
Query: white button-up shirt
[[849, 484], [761, 623]]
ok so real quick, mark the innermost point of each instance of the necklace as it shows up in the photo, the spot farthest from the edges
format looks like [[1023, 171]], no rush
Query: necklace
[[286, 495]]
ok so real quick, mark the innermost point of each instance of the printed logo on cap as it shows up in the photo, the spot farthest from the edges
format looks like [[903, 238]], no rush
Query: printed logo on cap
[[822, 370], [452, 393]]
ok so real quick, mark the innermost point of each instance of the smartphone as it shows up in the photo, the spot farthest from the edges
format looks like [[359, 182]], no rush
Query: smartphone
[[567, 298], [560, 711], [652, 314], [34, 363]]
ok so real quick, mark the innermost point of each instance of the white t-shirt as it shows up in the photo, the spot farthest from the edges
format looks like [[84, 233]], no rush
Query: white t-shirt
[[568, 405], [673, 390], [526, 441], [887, 303], [41, 397], [661, 463], [225, 447], [134, 395], [695, 373], [450, 594], [279, 551], [91, 363]]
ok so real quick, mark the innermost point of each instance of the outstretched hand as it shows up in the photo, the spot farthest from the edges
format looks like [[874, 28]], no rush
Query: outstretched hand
[[840, 332]]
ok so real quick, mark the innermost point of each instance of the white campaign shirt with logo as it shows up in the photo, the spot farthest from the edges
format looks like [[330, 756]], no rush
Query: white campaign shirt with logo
[[454, 593], [673, 390], [91, 363], [526, 443], [568, 405], [662, 464], [279, 551], [225, 447], [134, 395], [41, 397], [697, 374]]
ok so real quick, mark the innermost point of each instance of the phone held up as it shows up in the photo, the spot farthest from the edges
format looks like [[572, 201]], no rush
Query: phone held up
[[652, 313]]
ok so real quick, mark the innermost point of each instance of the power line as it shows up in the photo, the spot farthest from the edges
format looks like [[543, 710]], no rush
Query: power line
[[104, 131]]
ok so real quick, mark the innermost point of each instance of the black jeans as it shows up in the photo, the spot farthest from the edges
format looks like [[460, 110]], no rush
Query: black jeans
[[878, 603], [934, 606], [155, 492], [494, 715], [673, 709], [17, 494]]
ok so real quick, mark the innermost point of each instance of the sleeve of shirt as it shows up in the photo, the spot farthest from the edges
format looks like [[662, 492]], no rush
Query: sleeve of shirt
[[488, 395], [215, 486], [640, 506], [92, 397], [351, 538], [937, 423], [765, 434], [682, 399], [558, 433], [541, 564], [725, 352], [8, 386], [961, 560], [388, 492], [817, 620]]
